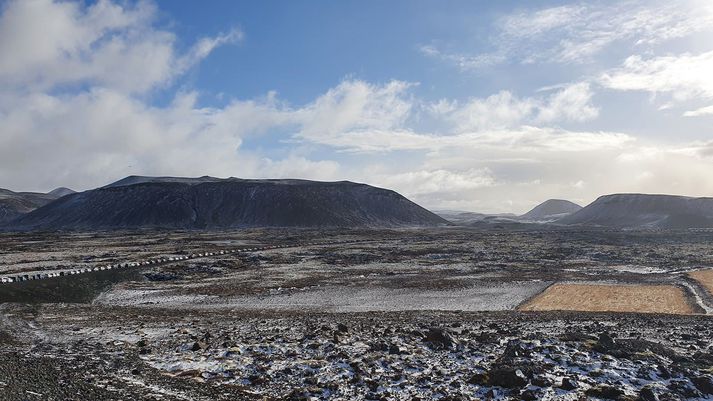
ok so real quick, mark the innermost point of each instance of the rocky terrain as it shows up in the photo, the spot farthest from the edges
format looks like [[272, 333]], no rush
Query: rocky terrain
[[79, 352], [391, 314], [211, 203]]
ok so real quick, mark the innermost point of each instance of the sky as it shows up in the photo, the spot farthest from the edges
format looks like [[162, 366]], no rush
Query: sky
[[459, 105]]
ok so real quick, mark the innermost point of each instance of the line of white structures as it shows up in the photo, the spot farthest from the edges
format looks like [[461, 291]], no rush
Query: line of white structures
[[40, 276]]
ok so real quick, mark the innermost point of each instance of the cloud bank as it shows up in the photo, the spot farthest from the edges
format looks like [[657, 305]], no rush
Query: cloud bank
[[577, 33], [76, 110]]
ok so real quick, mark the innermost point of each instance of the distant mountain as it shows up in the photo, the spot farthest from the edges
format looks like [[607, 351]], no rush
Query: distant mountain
[[551, 210], [645, 211], [462, 218], [16, 204], [213, 203], [60, 192]]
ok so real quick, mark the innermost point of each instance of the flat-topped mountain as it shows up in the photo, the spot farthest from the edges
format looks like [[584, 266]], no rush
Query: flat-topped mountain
[[645, 211], [138, 179], [551, 210], [16, 204], [214, 203]]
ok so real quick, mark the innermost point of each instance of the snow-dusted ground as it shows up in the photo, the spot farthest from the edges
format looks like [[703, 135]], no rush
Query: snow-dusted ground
[[500, 296], [157, 297], [397, 355], [266, 324], [638, 269]]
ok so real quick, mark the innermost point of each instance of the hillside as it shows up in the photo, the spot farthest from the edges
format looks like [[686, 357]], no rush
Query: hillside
[[211, 203], [60, 192], [645, 211], [550, 210], [16, 204], [460, 217]]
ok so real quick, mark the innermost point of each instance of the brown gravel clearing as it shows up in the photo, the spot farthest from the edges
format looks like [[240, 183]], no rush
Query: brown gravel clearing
[[611, 298], [705, 277]]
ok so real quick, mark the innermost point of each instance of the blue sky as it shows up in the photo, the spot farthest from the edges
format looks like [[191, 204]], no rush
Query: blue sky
[[301, 49], [483, 106]]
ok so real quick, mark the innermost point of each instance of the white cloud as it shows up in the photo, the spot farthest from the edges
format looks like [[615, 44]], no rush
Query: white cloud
[[380, 141], [525, 138], [703, 111], [705, 150], [356, 106], [74, 111], [578, 176], [463, 61], [577, 32], [501, 110], [206, 45], [299, 166], [684, 76], [504, 110], [73, 80], [551, 139], [676, 169], [437, 182], [45, 44], [572, 103], [539, 22]]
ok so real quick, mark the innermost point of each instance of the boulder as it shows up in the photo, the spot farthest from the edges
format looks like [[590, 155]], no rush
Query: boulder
[[704, 384], [569, 384], [439, 338], [507, 378]]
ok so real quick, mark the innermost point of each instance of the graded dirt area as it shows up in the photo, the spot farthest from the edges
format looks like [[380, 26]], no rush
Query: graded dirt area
[[704, 277], [611, 298]]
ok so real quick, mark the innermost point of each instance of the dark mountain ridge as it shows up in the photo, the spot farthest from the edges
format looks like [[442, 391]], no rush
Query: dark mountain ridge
[[645, 211], [213, 203], [15, 204], [138, 179]]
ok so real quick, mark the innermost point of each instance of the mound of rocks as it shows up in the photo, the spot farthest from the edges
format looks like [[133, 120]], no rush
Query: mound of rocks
[[388, 357]]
